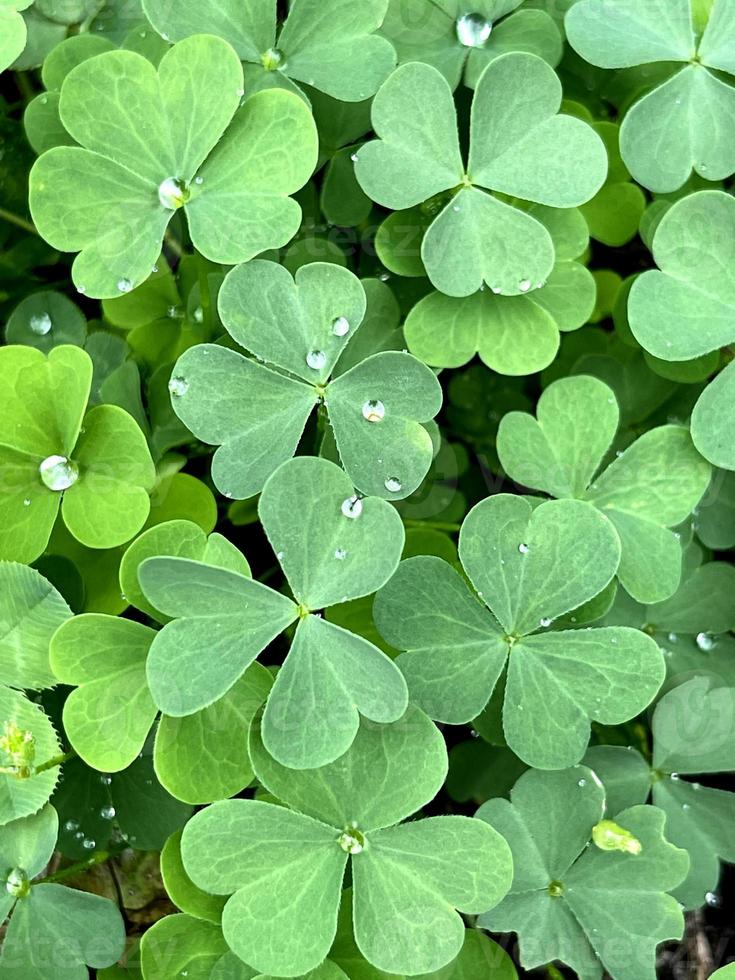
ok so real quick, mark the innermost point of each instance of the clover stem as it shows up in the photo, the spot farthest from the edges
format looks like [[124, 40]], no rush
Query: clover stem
[[57, 760], [552, 973], [74, 869], [15, 219], [436, 525], [205, 295], [25, 86]]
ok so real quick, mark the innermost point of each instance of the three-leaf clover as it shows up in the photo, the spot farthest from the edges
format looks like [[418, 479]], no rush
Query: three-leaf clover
[[650, 487], [570, 898], [333, 546], [330, 45], [95, 467], [444, 34], [153, 142], [519, 148], [408, 879], [50, 924], [257, 413], [512, 334], [686, 307], [685, 122], [528, 566]]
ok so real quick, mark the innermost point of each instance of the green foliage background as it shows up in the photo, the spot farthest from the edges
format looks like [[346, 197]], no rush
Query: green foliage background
[[366, 488]]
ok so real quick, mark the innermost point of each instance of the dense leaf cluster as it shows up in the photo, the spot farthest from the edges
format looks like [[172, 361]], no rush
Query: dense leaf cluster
[[367, 453]]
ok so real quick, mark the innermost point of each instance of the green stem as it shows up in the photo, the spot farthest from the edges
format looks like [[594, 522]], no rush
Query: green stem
[[15, 219], [552, 973], [205, 296], [435, 525], [74, 869], [25, 87], [57, 760]]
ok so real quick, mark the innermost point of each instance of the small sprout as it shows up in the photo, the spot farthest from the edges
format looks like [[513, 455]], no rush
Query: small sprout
[[19, 749], [609, 836]]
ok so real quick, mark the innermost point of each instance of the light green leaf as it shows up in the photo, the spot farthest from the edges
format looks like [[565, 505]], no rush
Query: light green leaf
[[30, 611], [328, 558], [109, 715], [249, 25], [13, 31], [628, 33], [45, 320], [23, 796], [181, 889], [181, 944]]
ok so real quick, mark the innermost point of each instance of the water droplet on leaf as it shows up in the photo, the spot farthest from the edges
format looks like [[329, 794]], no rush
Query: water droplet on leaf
[[124, 285], [352, 507], [173, 193], [316, 359], [524, 285], [340, 326], [393, 484], [705, 641], [178, 386], [108, 812], [58, 473], [373, 411], [473, 30], [523, 548], [41, 324]]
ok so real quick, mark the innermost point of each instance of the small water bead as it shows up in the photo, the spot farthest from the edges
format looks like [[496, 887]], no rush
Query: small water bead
[[316, 359], [199, 181], [393, 484], [545, 621], [352, 841], [108, 812], [524, 285], [81, 290], [27, 502], [581, 783], [353, 157], [705, 641], [18, 884], [473, 30], [198, 315], [523, 548], [280, 555], [106, 779], [88, 844], [41, 324], [58, 473], [173, 193], [273, 59], [712, 899], [178, 386], [686, 806], [340, 554], [71, 825], [497, 290], [373, 411], [124, 285], [340, 326], [352, 507], [673, 638]]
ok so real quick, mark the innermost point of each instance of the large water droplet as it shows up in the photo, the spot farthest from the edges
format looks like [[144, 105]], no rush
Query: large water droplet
[[108, 812], [393, 484], [173, 193], [316, 359], [273, 59], [523, 548], [352, 841], [17, 883], [340, 326], [178, 386], [545, 621], [712, 899], [41, 324], [705, 641], [524, 285], [373, 411], [58, 472], [124, 285], [473, 30], [352, 507], [88, 844]]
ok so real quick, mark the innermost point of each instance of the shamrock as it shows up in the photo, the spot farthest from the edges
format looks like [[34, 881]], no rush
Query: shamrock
[[257, 413], [652, 486], [528, 566], [46, 319], [30, 611], [96, 466], [328, 44], [50, 924], [512, 334], [685, 122], [407, 879], [567, 894], [27, 742], [12, 31], [333, 546], [186, 146], [519, 147], [686, 307], [182, 945], [693, 735], [443, 34]]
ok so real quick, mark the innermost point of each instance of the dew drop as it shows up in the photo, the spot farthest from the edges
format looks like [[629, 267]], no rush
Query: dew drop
[[523, 548], [124, 285], [71, 825], [316, 359], [352, 841], [685, 807], [673, 638], [173, 193], [58, 472], [27, 502], [178, 386], [106, 779], [340, 554], [81, 290], [473, 30], [198, 315], [712, 899], [581, 782], [674, 777], [524, 285], [108, 812], [340, 326], [545, 621], [273, 59], [88, 844], [455, 208], [41, 324], [353, 157], [280, 555], [373, 410], [17, 883], [199, 181], [352, 507], [705, 641], [497, 290], [393, 484]]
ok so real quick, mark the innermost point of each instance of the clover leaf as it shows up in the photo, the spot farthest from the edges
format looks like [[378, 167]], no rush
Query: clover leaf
[[443, 34], [333, 547], [45, 320], [328, 44], [652, 486], [154, 142], [27, 742], [30, 611], [685, 122], [49, 923], [12, 31], [407, 878], [686, 307], [95, 467], [182, 945], [528, 567], [257, 413], [567, 895], [519, 146], [512, 334]]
